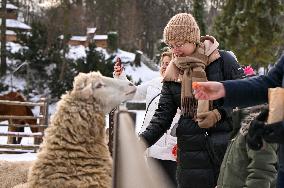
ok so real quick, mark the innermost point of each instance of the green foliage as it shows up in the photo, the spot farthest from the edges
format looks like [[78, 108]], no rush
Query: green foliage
[[94, 61], [198, 13], [162, 47], [112, 41], [3, 87], [251, 29], [35, 53], [97, 59], [58, 87]]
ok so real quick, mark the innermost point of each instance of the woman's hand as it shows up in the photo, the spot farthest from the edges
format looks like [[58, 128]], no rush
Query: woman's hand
[[118, 67]]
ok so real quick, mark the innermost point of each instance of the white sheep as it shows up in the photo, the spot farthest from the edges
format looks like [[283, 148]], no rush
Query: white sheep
[[74, 152]]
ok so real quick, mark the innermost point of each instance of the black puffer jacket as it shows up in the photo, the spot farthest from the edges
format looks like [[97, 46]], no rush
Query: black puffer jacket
[[195, 168]]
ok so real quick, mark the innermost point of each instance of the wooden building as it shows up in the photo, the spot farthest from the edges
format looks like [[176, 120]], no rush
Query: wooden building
[[13, 25]]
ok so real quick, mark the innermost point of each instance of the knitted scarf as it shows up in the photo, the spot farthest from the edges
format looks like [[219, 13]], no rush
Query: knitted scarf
[[187, 70], [191, 69]]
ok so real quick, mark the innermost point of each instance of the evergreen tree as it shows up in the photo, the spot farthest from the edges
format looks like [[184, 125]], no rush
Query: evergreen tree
[[198, 13], [251, 29], [112, 41], [57, 86], [34, 52], [97, 59], [94, 61]]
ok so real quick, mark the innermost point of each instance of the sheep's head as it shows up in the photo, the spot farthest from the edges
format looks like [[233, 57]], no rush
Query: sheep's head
[[108, 92]]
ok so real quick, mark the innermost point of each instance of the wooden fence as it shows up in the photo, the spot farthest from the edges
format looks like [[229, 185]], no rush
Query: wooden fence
[[128, 106], [42, 123]]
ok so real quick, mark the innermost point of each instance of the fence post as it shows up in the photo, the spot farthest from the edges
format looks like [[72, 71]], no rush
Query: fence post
[[43, 111], [110, 131]]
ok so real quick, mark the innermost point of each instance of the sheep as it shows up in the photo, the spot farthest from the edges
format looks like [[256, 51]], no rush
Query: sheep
[[74, 153], [13, 173]]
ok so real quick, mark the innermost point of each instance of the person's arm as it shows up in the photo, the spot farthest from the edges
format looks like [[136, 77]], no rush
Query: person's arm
[[253, 91], [262, 167], [141, 90], [162, 119], [242, 93]]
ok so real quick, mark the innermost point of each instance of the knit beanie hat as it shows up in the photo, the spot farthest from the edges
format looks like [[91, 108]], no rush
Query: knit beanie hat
[[183, 28]]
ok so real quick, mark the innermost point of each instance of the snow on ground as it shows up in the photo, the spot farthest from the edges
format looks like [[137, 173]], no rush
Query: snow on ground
[[76, 52], [18, 157]]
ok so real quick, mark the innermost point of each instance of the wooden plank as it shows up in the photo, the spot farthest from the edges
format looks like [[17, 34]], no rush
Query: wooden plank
[[11, 151], [135, 106], [21, 134], [20, 117], [23, 125], [7, 102], [19, 146]]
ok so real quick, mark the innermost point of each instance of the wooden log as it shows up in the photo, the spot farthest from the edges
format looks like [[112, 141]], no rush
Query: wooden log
[[12, 151], [23, 125], [21, 103], [19, 146], [21, 134], [20, 117]]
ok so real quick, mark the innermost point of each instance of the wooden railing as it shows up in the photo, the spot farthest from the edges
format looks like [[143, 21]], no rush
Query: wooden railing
[[42, 123]]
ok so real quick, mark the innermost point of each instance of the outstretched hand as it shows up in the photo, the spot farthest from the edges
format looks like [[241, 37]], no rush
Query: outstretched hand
[[208, 90]]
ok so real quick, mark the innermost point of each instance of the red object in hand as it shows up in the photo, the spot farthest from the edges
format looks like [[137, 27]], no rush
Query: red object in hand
[[118, 61], [195, 85], [119, 64], [174, 151]]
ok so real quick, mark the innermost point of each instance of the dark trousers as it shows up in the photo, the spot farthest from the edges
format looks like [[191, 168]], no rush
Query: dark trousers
[[280, 177], [169, 167]]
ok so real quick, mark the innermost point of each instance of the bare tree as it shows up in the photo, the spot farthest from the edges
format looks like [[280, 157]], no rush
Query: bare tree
[[3, 38]]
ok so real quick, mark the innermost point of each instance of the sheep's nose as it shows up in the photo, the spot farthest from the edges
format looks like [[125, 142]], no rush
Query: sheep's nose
[[131, 84]]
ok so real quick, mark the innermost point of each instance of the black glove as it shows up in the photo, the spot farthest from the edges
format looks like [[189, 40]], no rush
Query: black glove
[[256, 130], [274, 133]]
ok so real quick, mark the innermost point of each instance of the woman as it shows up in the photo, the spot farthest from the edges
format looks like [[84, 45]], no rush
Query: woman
[[161, 152], [202, 137]]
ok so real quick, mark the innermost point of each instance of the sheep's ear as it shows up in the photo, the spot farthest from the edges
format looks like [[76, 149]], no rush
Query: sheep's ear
[[80, 81], [86, 92]]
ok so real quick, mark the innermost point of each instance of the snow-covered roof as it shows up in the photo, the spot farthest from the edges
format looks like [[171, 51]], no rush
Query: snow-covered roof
[[100, 37], [91, 30], [9, 32], [79, 38], [10, 6], [139, 52], [11, 23]]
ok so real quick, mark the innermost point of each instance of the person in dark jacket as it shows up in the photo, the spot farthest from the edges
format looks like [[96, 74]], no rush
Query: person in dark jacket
[[203, 128], [248, 93]]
